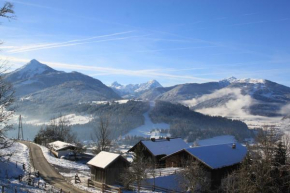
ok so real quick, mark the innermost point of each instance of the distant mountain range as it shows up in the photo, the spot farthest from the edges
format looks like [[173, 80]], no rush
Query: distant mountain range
[[38, 86], [259, 97], [134, 90]]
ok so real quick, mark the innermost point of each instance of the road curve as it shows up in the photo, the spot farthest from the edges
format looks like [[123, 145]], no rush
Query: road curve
[[47, 171]]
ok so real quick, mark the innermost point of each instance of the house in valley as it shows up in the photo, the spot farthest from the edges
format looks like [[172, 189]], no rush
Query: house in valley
[[60, 148], [217, 160], [155, 149], [107, 167]]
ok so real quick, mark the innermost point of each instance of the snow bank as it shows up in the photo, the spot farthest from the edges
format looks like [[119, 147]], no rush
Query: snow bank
[[12, 168], [62, 162], [144, 130]]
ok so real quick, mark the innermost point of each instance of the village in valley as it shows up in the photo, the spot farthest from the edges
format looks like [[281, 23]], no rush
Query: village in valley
[[138, 96]]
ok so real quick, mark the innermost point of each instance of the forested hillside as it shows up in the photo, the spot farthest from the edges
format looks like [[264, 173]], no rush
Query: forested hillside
[[191, 125]]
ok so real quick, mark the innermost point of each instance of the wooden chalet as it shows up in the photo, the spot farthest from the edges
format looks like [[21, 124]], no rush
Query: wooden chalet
[[60, 148], [107, 167], [155, 149], [217, 160]]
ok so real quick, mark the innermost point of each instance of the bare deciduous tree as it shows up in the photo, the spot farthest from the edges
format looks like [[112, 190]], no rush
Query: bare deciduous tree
[[102, 134], [7, 11], [6, 91], [264, 169], [136, 174], [58, 129], [194, 178]]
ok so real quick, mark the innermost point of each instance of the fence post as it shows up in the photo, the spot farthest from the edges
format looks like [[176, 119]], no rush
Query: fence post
[[2, 189], [103, 188]]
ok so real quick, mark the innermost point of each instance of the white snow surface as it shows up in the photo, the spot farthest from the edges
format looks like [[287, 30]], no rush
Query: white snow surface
[[62, 162], [244, 80], [31, 69], [123, 101], [144, 130], [135, 88], [216, 140], [20, 156], [164, 146], [103, 159], [74, 119], [57, 145], [218, 156]]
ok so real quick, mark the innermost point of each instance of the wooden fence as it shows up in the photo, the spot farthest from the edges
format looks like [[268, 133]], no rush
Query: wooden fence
[[104, 187]]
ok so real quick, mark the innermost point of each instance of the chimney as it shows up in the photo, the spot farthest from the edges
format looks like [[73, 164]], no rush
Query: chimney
[[234, 146], [168, 138], [153, 139]]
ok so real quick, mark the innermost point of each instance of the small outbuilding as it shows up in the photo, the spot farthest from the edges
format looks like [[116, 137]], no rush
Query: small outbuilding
[[155, 149], [107, 167], [218, 160], [60, 148]]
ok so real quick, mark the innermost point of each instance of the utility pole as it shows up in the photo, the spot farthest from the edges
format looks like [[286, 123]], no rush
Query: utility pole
[[20, 129]]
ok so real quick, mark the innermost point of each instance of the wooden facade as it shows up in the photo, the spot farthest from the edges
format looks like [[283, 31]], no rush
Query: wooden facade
[[181, 158], [165, 147], [111, 174]]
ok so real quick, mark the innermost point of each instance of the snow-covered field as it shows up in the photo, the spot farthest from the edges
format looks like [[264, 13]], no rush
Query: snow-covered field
[[144, 130], [69, 169], [123, 101], [72, 119], [12, 168], [71, 165]]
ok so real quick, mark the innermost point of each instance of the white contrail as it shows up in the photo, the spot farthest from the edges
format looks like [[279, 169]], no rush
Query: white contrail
[[61, 44], [113, 71]]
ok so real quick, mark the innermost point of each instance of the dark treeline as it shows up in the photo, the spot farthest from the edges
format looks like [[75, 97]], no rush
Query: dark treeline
[[122, 117], [191, 125]]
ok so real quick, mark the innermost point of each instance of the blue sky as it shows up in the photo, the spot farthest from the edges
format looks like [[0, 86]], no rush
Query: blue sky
[[133, 41]]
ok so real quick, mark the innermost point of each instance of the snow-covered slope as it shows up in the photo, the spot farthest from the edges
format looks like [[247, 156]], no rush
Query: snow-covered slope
[[30, 70], [134, 90], [255, 96], [37, 86]]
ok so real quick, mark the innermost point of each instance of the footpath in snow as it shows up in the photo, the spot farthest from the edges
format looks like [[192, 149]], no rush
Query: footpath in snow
[[144, 130], [11, 168]]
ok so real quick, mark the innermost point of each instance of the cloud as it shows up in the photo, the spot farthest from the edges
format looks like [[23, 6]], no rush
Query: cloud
[[236, 106], [285, 110], [94, 70]]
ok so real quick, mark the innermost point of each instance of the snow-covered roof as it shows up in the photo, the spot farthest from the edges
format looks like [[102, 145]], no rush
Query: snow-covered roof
[[164, 146], [59, 145], [218, 156], [103, 159]]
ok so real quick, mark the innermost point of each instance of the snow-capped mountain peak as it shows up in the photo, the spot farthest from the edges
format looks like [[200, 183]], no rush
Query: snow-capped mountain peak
[[133, 90], [116, 85], [232, 79], [32, 69], [148, 85]]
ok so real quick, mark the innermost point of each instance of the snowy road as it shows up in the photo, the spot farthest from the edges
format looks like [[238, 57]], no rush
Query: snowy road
[[47, 172]]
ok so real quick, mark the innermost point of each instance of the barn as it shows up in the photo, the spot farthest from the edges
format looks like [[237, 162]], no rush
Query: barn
[[155, 149], [218, 160], [60, 148], [107, 167]]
